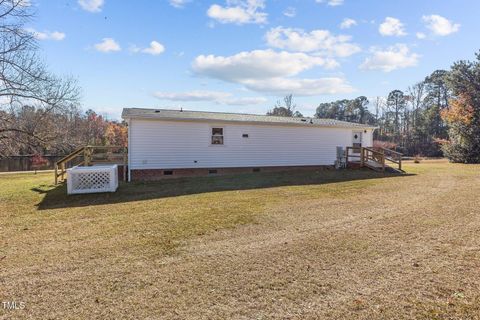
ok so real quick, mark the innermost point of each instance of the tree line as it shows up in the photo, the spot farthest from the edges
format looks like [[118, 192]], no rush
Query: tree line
[[40, 111], [29, 130], [438, 116]]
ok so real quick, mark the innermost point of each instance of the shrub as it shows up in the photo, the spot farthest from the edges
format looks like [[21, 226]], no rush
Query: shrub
[[38, 161]]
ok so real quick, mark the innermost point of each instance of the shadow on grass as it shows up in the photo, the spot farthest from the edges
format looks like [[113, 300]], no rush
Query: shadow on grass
[[56, 197]]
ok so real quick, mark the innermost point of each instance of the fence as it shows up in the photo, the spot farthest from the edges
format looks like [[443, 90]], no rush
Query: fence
[[24, 163]]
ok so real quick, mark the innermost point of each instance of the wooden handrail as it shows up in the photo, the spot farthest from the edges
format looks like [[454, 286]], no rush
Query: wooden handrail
[[71, 155], [104, 147], [373, 155], [391, 156], [391, 151], [378, 156], [394, 154], [90, 157]]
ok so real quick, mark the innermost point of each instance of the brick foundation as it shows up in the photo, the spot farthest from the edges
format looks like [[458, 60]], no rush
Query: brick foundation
[[158, 174]]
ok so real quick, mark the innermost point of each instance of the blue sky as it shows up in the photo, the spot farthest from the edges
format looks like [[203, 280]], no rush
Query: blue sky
[[244, 55]]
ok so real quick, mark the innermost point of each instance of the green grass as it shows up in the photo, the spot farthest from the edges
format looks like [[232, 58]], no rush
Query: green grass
[[165, 213]]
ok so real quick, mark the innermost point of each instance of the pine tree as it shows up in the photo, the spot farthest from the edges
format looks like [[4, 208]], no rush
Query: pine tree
[[463, 114]]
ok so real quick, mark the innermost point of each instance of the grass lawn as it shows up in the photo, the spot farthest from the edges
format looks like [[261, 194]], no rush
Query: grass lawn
[[302, 245]]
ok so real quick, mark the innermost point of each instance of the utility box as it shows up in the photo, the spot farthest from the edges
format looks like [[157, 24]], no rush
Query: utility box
[[94, 179]]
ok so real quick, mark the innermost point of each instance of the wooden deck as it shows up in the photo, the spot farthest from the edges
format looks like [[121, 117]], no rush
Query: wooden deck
[[378, 159], [89, 156]]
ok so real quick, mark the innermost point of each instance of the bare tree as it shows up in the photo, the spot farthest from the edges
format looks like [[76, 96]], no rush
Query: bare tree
[[416, 94], [285, 108], [30, 96]]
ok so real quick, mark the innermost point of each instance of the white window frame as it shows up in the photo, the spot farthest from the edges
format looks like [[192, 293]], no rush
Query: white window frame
[[211, 136]]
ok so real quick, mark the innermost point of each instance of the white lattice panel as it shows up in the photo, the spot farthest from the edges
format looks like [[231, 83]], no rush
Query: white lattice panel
[[92, 179]]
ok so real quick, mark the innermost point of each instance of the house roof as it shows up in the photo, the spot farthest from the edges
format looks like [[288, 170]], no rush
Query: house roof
[[204, 116]]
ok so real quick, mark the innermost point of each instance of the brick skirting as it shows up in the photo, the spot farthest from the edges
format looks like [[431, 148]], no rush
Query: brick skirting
[[158, 174]]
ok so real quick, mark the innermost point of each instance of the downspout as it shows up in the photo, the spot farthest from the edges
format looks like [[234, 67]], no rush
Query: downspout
[[129, 135]]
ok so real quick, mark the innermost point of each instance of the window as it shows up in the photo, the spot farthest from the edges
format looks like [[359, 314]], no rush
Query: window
[[212, 171], [168, 172], [217, 136]]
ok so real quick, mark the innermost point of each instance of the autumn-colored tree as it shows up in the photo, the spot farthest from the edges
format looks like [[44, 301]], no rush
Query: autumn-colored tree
[[116, 134], [463, 114], [459, 112], [464, 142]]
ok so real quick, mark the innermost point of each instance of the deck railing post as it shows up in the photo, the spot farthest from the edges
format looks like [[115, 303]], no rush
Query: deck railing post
[[87, 156], [362, 156], [116, 154]]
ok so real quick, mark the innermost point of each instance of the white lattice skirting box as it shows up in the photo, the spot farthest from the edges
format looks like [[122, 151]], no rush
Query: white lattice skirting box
[[93, 179]]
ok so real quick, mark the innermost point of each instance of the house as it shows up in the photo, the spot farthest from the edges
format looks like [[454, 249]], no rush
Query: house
[[167, 143]]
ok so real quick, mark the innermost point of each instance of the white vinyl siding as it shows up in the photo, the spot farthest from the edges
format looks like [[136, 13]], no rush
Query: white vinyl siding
[[156, 144]]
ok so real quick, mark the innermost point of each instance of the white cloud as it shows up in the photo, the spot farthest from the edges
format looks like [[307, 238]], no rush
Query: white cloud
[[420, 35], [390, 59], [271, 72], [257, 64], [440, 26], [155, 48], [246, 101], [192, 95], [392, 27], [46, 35], [107, 45], [290, 12], [213, 96], [347, 23], [239, 12], [320, 41], [332, 3], [178, 3], [91, 5], [300, 87]]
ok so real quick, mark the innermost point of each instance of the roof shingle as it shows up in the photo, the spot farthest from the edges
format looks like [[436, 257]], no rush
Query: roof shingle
[[168, 114]]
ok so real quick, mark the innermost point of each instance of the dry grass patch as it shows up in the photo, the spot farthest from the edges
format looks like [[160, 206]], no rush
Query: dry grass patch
[[349, 244]]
